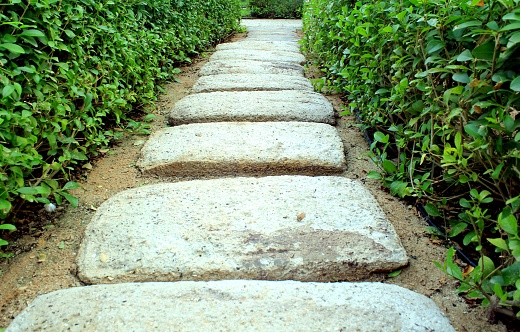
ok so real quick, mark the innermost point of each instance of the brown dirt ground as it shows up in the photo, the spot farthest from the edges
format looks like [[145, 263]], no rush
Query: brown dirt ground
[[44, 259]]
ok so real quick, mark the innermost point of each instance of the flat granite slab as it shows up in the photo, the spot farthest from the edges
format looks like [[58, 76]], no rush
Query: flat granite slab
[[259, 55], [239, 148], [260, 45], [255, 106], [217, 67], [276, 228], [251, 82], [233, 305]]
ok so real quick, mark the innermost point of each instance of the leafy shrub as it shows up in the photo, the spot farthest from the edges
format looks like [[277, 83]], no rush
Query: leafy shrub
[[276, 8], [69, 68], [438, 83]]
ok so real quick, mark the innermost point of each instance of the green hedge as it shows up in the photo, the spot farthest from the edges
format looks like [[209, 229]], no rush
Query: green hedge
[[438, 84], [276, 8], [71, 69]]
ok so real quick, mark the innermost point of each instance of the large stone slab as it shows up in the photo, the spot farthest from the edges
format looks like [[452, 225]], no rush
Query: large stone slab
[[218, 67], [272, 25], [251, 82], [260, 45], [259, 55], [256, 106], [277, 228], [234, 148], [233, 306]]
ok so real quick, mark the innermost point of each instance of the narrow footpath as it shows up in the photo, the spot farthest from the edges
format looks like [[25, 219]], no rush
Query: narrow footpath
[[278, 240]]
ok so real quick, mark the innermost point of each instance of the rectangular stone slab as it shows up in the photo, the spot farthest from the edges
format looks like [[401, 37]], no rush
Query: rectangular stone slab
[[251, 82], [260, 45], [217, 67], [259, 55], [234, 148], [235, 305], [255, 106], [277, 228]]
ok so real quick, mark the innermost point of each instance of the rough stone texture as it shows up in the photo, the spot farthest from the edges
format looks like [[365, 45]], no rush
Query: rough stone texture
[[260, 45], [273, 36], [259, 55], [217, 67], [234, 148], [251, 82], [276, 228], [255, 106], [235, 305], [272, 25]]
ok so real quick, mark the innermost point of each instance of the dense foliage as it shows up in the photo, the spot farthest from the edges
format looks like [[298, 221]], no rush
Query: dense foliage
[[438, 82], [70, 68], [276, 8]]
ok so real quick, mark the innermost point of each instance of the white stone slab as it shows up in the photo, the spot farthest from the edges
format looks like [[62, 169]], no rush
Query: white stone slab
[[276, 228], [235, 148], [251, 82], [218, 67], [233, 306], [255, 106], [259, 55], [260, 45]]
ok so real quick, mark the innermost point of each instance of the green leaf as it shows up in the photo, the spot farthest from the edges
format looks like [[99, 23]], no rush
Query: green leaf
[[394, 274], [72, 199], [432, 210], [374, 175], [457, 229], [71, 185], [461, 77], [485, 51], [7, 90], [8, 227], [434, 46], [389, 167], [487, 265], [380, 137], [17, 49], [468, 24], [514, 39], [511, 274], [512, 26], [509, 224], [465, 56], [515, 85], [499, 243], [32, 33]]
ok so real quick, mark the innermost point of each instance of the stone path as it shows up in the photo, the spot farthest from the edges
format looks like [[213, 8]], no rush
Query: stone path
[[241, 253]]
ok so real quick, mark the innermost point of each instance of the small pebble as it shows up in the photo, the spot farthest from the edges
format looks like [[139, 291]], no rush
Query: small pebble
[[50, 207]]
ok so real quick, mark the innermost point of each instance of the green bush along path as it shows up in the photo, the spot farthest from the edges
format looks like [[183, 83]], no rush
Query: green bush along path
[[258, 246], [437, 83], [72, 69]]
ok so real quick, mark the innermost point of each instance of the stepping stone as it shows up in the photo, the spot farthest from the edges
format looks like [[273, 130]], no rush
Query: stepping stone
[[268, 36], [251, 82], [260, 45], [250, 67], [236, 305], [234, 148], [276, 228], [255, 106], [259, 55]]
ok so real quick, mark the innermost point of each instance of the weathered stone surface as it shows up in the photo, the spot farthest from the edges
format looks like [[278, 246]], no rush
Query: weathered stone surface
[[234, 305], [259, 55], [218, 67], [251, 82], [277, 228], [272, 36], [255, 106], [260, 45], [235, 148], [272, 25]]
